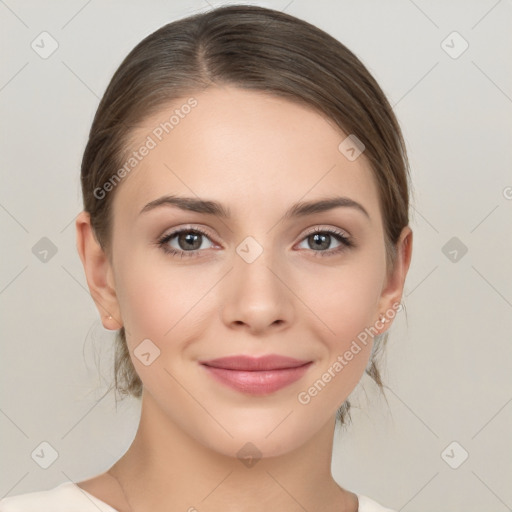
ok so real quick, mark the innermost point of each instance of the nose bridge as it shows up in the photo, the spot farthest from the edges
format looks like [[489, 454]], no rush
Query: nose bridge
[[252, 267], [256, 296]]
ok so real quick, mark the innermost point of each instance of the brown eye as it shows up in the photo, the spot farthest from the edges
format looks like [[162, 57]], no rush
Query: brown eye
[[184, 242], [322, 240]]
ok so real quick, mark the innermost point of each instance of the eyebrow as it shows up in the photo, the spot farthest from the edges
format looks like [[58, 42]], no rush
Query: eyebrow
[[209, 207]]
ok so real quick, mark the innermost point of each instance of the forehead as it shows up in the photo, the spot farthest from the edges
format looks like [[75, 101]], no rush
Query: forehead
[[246, 149]]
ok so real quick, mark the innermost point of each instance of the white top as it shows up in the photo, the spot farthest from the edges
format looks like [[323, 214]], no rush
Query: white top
[[68, 497]]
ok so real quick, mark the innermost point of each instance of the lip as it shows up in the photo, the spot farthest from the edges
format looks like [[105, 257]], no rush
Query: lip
[[256, 375]]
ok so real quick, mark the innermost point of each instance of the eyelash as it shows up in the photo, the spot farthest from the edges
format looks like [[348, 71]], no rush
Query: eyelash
[[345, 241]]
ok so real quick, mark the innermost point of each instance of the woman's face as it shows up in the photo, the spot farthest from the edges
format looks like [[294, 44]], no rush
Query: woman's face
[[257, 281]]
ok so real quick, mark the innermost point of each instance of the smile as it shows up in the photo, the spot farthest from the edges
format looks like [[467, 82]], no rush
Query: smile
[[256, 376]]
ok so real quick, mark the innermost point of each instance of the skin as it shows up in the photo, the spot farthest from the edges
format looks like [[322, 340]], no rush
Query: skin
[[257, 155]]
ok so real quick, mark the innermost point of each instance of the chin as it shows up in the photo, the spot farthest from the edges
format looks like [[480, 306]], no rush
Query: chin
[[261, 434]]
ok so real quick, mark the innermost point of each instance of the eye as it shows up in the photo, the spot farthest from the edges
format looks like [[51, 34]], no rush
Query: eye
[[320, 239], [188, 242]]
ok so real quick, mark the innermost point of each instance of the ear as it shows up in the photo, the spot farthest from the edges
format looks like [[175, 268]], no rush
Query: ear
[[394, 286], [98, 273]]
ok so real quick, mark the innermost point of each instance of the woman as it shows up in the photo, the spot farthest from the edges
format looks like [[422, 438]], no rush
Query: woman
[[245, 230]]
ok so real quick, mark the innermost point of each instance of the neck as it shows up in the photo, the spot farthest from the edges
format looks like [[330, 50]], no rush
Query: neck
[[166, 469]]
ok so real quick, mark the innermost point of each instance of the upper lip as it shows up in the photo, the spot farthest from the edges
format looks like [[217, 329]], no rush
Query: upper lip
[[252, 364]]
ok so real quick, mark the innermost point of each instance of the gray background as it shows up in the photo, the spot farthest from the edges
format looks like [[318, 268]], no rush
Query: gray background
[[448, 365]]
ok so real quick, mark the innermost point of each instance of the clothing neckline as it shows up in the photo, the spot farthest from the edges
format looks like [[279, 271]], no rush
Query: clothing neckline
[[94, 499], [97, 501]]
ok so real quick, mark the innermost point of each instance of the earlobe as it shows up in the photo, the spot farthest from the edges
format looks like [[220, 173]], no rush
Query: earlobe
[[97, 270], [110, 323]]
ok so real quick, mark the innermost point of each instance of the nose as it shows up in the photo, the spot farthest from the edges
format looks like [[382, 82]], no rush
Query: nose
[[256, 296]]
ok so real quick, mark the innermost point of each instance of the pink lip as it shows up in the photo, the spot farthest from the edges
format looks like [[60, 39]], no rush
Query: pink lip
[[257, 376]]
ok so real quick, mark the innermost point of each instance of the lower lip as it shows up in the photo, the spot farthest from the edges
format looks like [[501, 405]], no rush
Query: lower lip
[[258, 382]]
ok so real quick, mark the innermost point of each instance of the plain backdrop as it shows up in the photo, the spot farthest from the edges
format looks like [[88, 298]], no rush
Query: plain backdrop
[[442, 441]]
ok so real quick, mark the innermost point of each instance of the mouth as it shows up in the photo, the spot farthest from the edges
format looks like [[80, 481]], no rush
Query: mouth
[[256, 375]]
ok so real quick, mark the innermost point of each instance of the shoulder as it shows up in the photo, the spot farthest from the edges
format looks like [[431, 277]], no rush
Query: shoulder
[[368, 505], [66, 497]]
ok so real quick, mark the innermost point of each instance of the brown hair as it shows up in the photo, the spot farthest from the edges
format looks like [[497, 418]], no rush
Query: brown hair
[[249, 47]]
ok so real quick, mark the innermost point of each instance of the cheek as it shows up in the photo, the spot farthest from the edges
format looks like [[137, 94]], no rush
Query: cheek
[[161, 300], [345, 298], [157, 304], [347, 346], [350, 305], [152, 305], [345, 303]]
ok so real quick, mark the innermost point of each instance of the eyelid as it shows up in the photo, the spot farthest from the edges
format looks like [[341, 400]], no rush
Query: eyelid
[[326, 228], [316, 229], [344, 239], [186, 227], [162, 241]]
